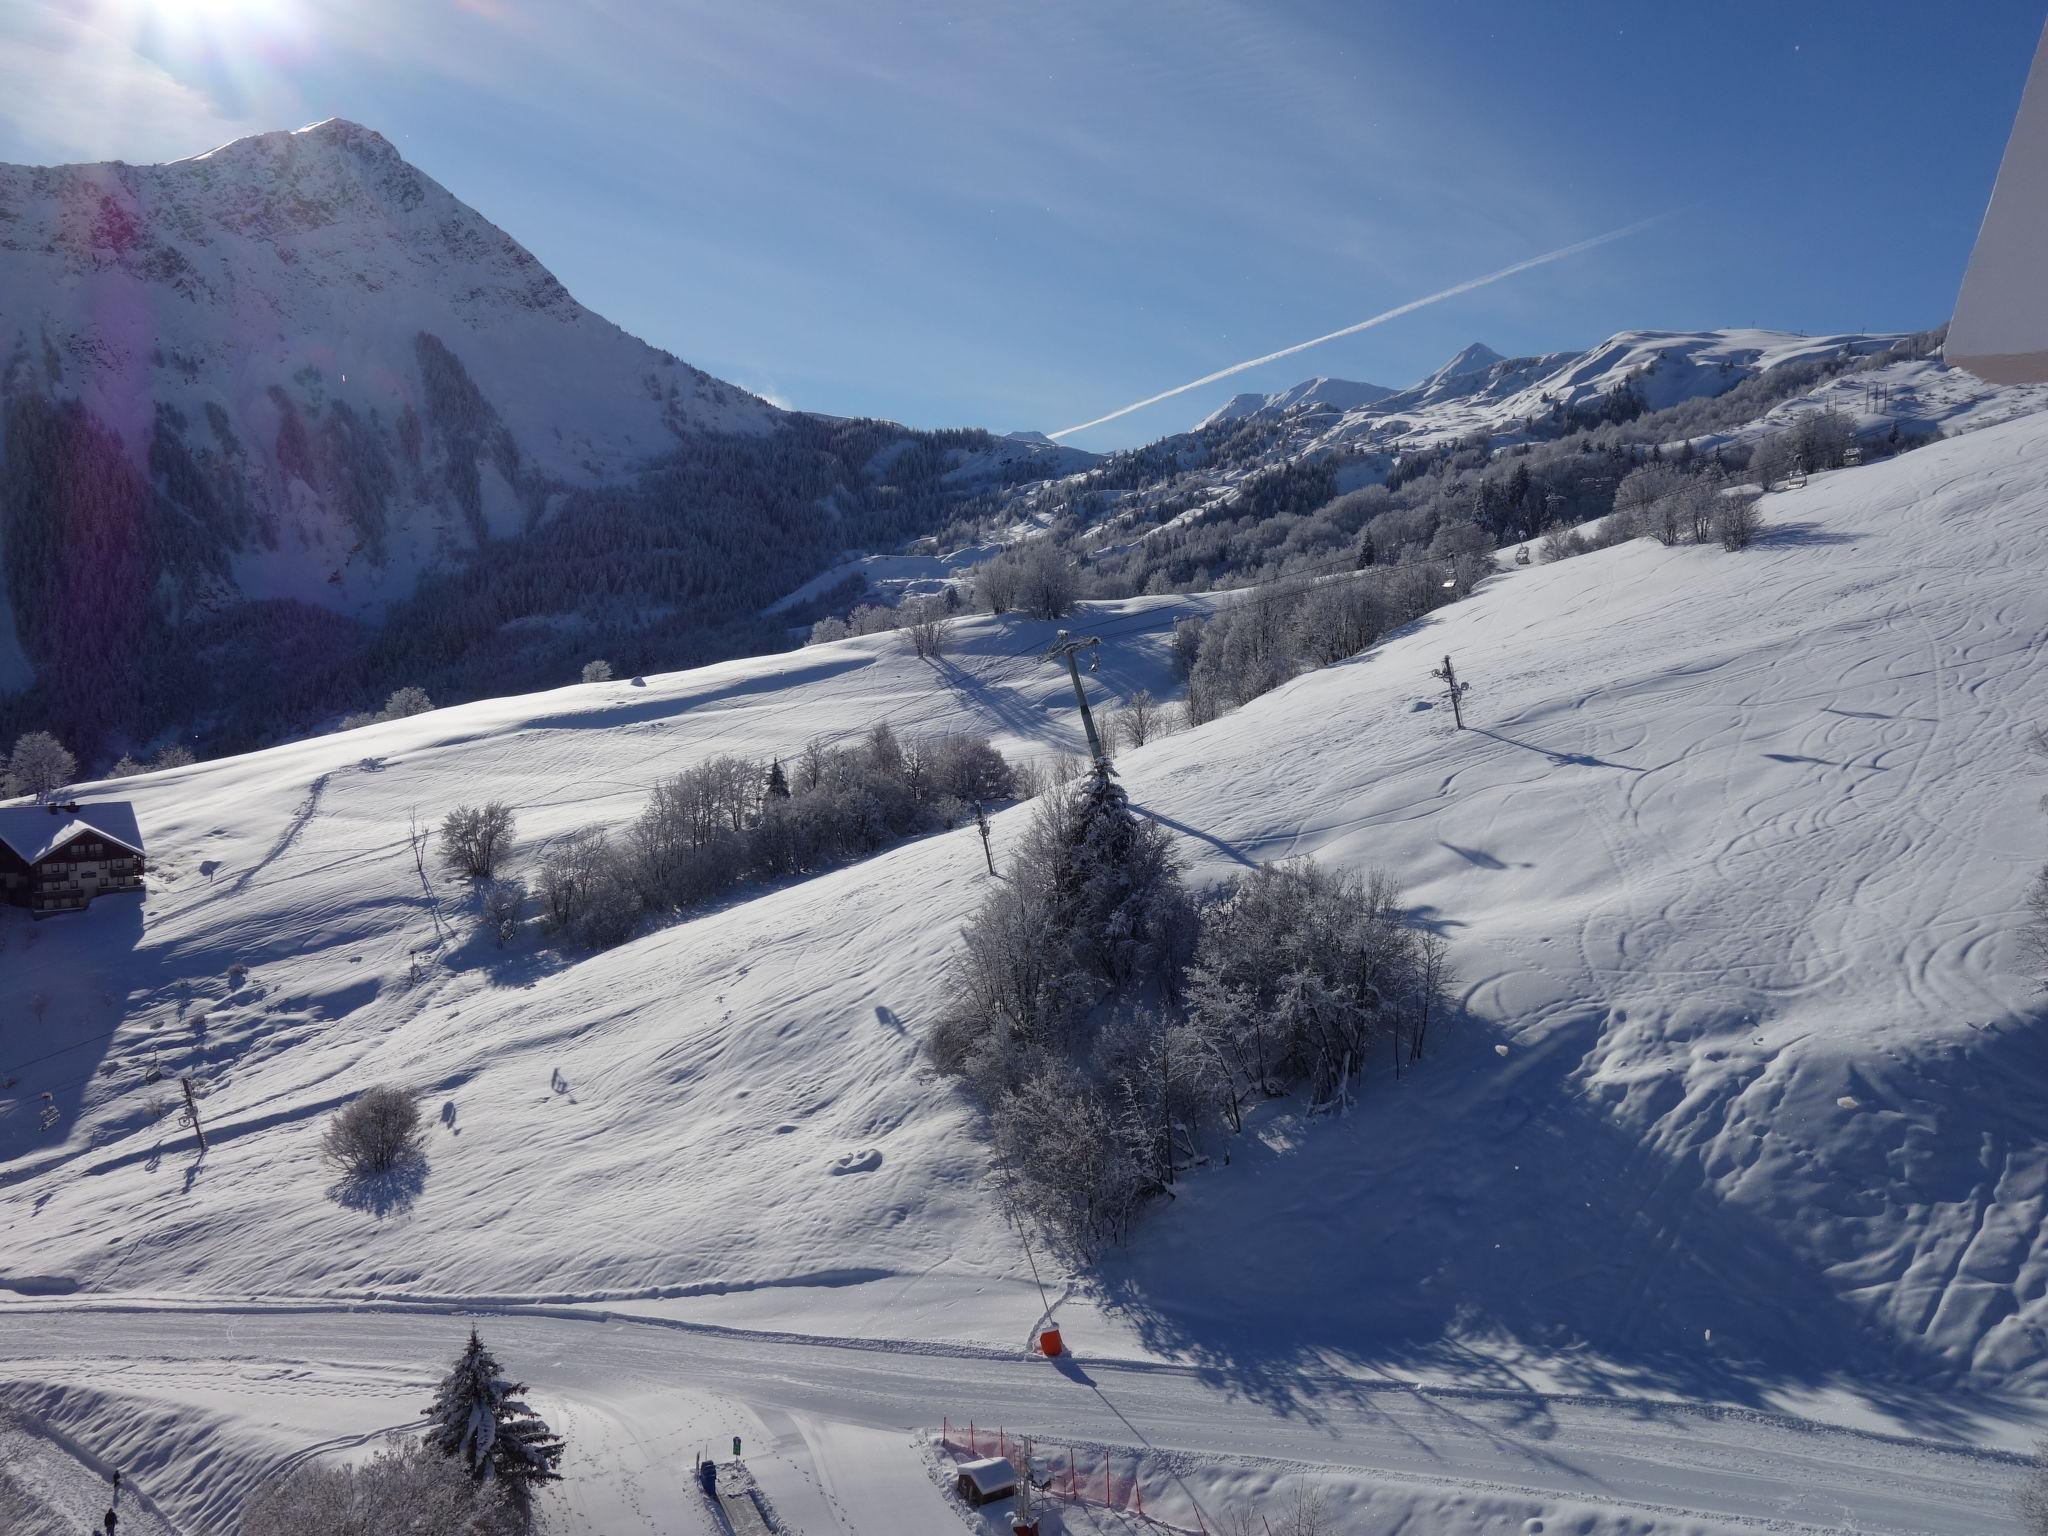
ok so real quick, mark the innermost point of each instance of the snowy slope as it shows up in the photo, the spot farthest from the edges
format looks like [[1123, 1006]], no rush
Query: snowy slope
[[1732, 861]]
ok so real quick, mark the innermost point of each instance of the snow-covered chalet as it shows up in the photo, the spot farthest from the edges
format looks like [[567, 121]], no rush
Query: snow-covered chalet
[[56, 858]]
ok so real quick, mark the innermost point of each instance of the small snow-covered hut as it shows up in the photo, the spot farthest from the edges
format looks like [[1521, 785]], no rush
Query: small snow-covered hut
[[991, 1478]]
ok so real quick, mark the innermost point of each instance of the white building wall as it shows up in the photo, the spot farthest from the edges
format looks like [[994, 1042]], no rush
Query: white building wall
[[2000, 329]]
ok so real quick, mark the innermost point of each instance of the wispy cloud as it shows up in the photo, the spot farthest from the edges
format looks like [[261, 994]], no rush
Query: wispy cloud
[[1365, 325]]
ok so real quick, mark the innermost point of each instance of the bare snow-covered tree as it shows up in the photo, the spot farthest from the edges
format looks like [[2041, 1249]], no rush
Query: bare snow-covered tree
[[1823, 439], [1138, 721], [476, 838], [1037, 577], [828, 629], [403, 1487], [586, 893], [1308, 1513], [1186, 646], [1773, 458], [597, 671], [929, 625], [1559, 543], [374, 1133], [1642, 498], [995, 584], [40, 765]]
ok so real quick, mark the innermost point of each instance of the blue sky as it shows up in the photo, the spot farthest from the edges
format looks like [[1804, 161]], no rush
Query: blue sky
[[1028, 215]]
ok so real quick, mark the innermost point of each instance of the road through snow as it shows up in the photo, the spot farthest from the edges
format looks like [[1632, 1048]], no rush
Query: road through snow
[[822, 1408]]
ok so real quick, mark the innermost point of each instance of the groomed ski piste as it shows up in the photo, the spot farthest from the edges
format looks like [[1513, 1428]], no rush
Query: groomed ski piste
[[1720, 1211]]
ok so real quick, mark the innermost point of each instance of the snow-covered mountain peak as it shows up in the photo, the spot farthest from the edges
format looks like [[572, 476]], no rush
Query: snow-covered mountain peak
[[1476, 358], [376, 371], [1325, 393]]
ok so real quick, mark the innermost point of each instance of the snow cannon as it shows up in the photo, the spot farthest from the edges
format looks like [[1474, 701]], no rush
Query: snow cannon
[[1049, 1342]]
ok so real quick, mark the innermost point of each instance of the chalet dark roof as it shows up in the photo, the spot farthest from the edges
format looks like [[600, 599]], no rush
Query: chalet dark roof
[[36, 831]]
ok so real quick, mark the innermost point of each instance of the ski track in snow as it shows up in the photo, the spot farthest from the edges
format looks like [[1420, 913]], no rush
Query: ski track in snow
[[1734, 839]]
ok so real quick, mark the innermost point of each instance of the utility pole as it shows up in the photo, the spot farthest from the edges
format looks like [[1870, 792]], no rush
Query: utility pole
[[1454, 688], [192, 1111], [981, 821], [1065, 649]]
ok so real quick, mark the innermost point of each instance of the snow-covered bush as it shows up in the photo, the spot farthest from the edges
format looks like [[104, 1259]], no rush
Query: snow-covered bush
[[1097, 1094], [480, 1423], [1736, 520], [597, 672], [404, 1487], [828, 629], [1301, 971], [2034, 936], [586, 893], [475, 839], [39, 765], [374, 1133], [504, 901], [404, 703]]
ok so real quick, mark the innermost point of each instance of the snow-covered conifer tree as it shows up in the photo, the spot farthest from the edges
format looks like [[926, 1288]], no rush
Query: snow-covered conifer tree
[[479, 1418], [778, 781], [1119, 887]]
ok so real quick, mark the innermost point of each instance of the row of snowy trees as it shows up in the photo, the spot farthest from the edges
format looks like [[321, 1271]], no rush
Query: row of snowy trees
[[731, 819], [1112, 1027], [1672, 502], [40, 765], [925, 620], [1276, 631], [1036, 578], [403, 704]]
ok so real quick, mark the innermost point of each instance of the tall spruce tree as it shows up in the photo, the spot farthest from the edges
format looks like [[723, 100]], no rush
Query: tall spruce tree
[[479, 1417], [1118, 887], [778, 781]]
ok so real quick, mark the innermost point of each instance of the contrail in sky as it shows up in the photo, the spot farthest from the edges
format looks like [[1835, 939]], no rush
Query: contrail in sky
[[1365, 325]]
